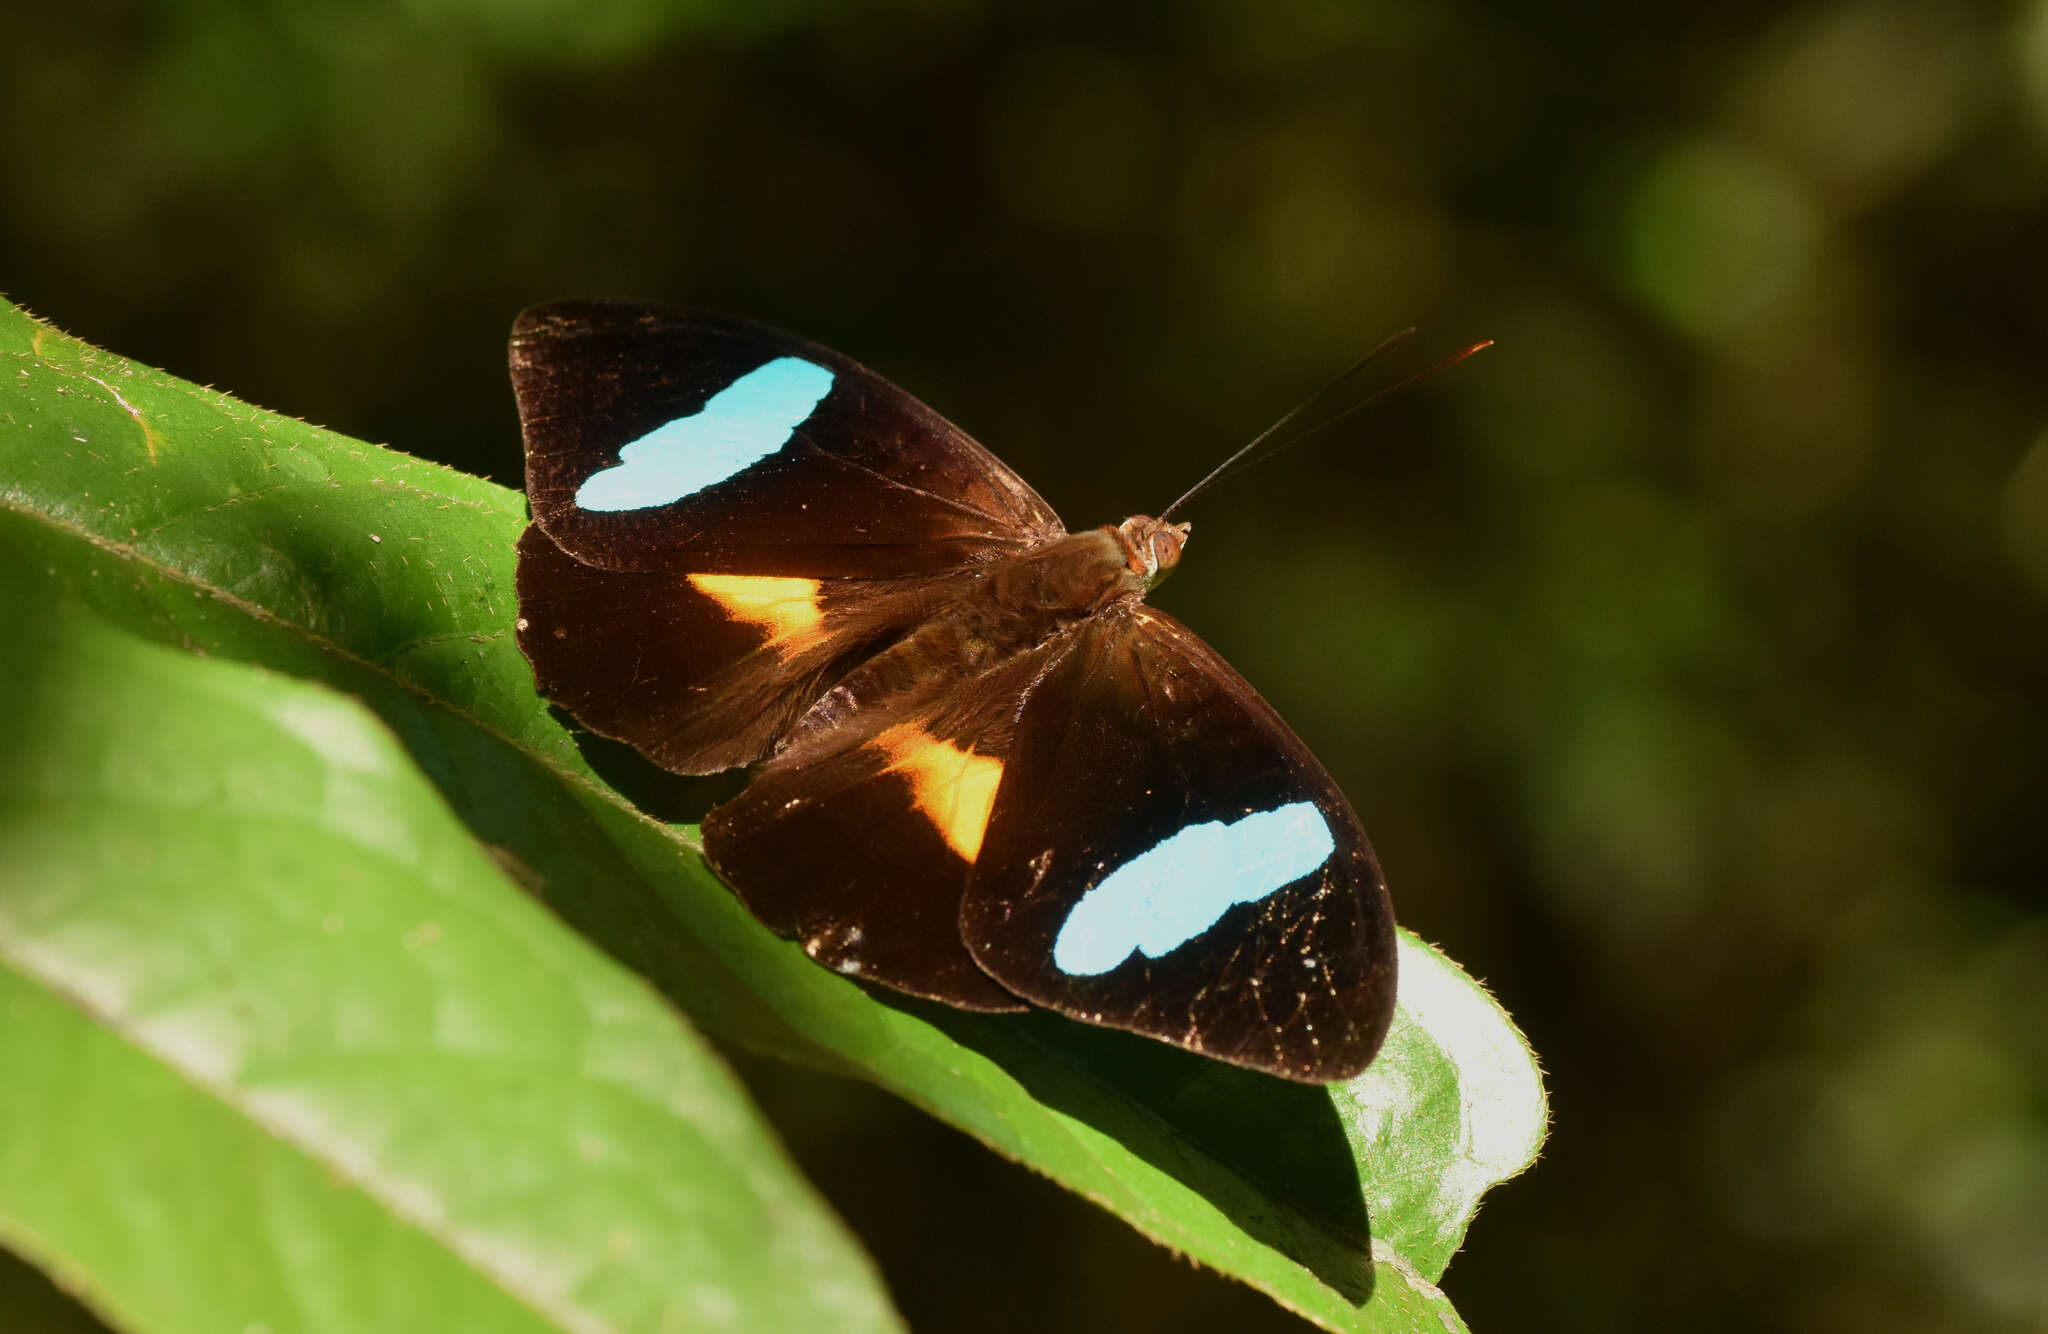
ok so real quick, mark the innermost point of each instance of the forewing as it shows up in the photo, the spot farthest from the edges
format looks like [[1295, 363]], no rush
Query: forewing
[[1167, 857], [665, 439]]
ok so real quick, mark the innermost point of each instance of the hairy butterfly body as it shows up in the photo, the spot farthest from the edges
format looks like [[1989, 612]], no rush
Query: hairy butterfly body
[[990, 775]]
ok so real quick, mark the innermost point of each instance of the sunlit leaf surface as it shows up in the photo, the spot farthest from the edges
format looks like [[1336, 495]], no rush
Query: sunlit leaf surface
[[286, 1050]]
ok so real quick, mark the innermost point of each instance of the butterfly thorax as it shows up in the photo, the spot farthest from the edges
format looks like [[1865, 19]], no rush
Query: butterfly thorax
[[1028, 599], [1014, 607], [1022, 602]]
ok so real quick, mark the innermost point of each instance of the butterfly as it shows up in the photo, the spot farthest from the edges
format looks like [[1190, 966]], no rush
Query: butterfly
[[989, 774]]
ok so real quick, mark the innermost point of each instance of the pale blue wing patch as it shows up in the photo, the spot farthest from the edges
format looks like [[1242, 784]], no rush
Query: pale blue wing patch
[[1179, 887], [736, 428]]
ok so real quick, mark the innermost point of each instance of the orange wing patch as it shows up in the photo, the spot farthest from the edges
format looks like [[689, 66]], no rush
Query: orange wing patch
[[786, 608], [954, 788]]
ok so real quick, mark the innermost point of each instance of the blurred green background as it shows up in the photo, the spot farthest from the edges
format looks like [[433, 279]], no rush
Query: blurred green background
[[1686, 654]]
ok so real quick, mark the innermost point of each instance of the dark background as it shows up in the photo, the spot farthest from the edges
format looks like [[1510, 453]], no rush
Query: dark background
[[1685, 653]]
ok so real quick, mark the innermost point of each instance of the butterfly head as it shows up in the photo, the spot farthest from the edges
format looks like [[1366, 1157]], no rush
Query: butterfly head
[[1151, 546]]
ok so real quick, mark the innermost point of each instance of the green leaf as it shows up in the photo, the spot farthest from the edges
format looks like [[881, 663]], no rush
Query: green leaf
[[286, 1051], [185, 517]]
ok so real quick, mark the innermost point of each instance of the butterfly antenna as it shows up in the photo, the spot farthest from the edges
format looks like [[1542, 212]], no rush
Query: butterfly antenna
[[1270, 441], [1242, 455]]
